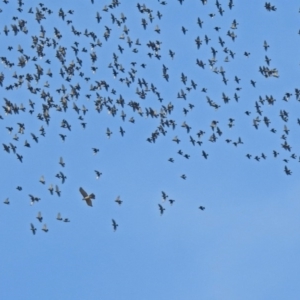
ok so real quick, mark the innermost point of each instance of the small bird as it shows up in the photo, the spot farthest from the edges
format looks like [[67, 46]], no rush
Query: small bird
[[32, 228], [45, 228], [98, 174], [86, 197], [51, 189], [39, 217], [6, 201], [57, 191], [171, 201], [201, 207], [118, 200], [164, 196], [61, 162], [59, 218], [161, 209], [96, 150], [42, 180], [114, 224]]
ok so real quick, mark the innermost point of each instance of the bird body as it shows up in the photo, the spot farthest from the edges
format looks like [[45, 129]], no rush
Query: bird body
[[86, 197]]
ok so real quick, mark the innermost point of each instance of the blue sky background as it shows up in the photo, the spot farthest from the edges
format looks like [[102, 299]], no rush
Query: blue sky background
[[244, 245]]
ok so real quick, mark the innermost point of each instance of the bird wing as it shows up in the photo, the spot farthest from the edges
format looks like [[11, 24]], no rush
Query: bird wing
[[88, 201], [83, 192]]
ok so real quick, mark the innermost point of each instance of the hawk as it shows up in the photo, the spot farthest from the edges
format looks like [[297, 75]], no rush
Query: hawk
[[86, 197]]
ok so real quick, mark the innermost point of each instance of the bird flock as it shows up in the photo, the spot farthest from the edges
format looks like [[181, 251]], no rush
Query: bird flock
[[54, 67]]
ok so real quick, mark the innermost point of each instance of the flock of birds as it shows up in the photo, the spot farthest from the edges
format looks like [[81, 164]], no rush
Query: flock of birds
[[48, 55]]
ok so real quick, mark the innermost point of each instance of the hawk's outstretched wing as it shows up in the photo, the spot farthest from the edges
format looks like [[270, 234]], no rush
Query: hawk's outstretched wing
[[88, 202], [83, 192]]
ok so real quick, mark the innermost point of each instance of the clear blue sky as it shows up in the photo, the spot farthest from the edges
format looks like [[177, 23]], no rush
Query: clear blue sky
[[244, 245]]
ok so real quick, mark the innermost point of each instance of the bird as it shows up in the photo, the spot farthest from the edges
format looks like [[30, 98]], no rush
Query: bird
[[86, 197], [95, 150], [61, 162], [59, 218], [6, 201], [118, 200], [45, 228], [51, 189], [32, 228], [114, 224], [42, 179], [98, 174], [201, 207], [39, 217], [161, 209], [57, 191]]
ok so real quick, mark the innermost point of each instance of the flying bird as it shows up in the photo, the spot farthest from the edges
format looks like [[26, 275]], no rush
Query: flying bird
[[86, 197], [114, 224], [32, 228]]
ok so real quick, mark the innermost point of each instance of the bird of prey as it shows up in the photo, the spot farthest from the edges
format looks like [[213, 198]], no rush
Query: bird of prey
[[114, 224], [86, 197], [32, 228]]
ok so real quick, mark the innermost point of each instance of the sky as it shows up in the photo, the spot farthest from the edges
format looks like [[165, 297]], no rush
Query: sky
[[245, 243]]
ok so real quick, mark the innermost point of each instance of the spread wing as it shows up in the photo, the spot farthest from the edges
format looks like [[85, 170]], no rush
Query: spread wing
[[92, 196], [88, 202], [83, 192]]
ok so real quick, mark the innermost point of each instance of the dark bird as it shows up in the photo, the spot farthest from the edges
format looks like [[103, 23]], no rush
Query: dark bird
[[57, 191], [45, 228], [42, 180], [118, 200], [98, 174], [204, 154], [95, 150], [32, 228], [201, 207], [161, 209], [61, 162], [114, 224], [39, 217]]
